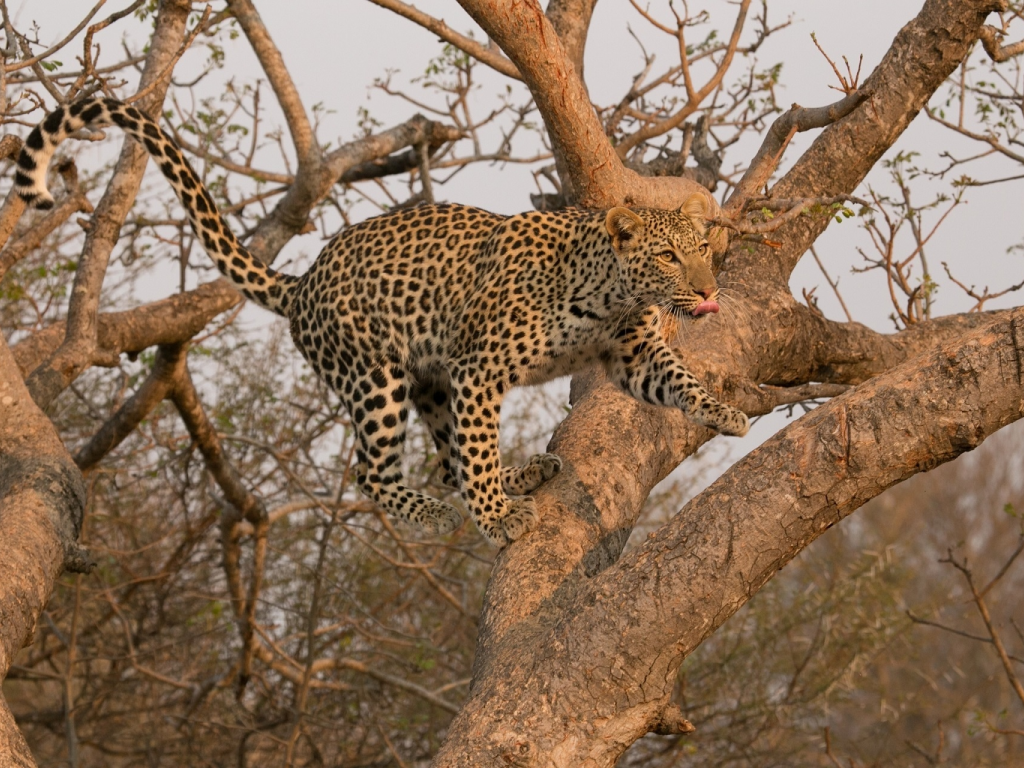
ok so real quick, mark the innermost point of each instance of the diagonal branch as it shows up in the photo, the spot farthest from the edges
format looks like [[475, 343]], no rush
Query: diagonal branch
[[481, 53], [346, 163], [591, 172], [787, 125], [273, 65], [169, 365], [839, 159], [186, 400], [997, 641], [75, 202], [242, 504]]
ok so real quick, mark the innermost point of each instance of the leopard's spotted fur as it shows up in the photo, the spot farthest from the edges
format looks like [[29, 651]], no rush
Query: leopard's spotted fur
[[442, 308]]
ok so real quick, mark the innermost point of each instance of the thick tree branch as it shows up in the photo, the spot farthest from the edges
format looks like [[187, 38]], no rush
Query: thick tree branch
[[41, 502], [415, 132], [303, 138], [174, 320], [631, 626], [591, 172], [13, 205], [805, 347], [349, 162], [168, 367], [587, 520], [571, 21]]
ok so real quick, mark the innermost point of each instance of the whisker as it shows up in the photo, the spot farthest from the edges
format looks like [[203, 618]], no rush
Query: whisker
[[627, 310]]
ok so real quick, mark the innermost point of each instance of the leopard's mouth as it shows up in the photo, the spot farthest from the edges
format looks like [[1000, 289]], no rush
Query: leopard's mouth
[[707, 307]]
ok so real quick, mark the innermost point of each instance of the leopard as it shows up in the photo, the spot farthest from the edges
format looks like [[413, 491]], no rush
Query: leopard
[[443, 308]]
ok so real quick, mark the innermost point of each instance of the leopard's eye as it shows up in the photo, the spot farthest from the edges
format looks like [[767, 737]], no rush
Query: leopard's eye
[[666, 257], [702, 249]]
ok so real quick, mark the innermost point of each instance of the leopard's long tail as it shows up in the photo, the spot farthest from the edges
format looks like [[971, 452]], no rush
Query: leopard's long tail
[[267, 287]]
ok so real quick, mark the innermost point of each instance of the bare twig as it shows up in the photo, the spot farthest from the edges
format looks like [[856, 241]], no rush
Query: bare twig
[[33, 60], [848, 83], [834, 284], [169, 67], [484, 55], [997, 641], [694, 96]]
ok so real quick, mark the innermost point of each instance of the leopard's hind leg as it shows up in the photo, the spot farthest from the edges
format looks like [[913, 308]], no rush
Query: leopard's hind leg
[[539, 468], [476, 403], [433, 403], [432, 399], [379, 406]]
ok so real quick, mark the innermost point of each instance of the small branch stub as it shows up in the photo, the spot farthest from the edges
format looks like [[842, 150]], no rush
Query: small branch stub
[[672, 722]]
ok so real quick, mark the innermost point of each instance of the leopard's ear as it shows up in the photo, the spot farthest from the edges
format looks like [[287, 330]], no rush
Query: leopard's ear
[[695, 208], [623, 225]]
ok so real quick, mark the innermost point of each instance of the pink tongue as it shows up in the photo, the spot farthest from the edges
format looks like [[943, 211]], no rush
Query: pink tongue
[[705, 308]]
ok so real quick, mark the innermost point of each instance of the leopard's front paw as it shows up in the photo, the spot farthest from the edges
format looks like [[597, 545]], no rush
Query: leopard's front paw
[[521, 517], [734, 422], [722, 418]]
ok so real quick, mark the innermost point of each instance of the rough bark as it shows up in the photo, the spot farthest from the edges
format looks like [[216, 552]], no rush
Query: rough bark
[[601, 676], [41, 501]]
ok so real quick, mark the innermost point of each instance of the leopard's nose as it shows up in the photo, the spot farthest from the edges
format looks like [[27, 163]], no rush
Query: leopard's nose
[[705, 292]]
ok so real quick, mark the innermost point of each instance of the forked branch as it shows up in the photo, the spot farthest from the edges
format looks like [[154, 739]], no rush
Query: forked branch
[[991, 40], [785, 127]]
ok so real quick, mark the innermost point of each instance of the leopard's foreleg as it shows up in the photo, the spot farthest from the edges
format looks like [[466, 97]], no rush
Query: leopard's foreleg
[[648, 369]]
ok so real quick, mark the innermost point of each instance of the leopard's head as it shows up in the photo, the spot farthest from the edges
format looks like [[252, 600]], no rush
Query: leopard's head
[[665, 257]]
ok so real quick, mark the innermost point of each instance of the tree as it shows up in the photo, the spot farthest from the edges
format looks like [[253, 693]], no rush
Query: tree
[[579, 644]]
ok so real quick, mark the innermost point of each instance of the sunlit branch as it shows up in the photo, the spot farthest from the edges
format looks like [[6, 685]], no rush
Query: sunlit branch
[[991, 41]]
